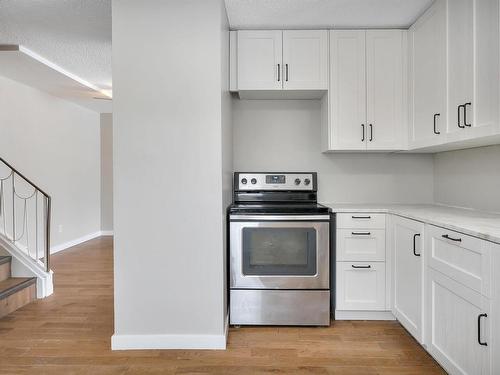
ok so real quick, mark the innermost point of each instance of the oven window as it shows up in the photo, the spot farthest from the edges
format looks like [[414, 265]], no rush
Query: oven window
[[279, 251]]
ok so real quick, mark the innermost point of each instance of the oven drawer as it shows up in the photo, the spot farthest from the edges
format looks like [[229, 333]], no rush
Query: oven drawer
[[280, 307], [360, 221], [361, 245]]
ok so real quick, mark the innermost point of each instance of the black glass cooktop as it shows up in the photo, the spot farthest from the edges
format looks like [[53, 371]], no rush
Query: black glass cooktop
[[278, 208]]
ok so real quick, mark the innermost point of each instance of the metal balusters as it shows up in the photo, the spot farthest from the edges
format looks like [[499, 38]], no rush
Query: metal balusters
[[24, 234]]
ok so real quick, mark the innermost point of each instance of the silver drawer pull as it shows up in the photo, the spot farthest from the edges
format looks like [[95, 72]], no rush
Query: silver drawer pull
[[361, 217], [451, 238], [364, 267], [361, 233]]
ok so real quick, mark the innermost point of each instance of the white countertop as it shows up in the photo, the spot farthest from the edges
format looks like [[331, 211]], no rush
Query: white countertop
[[479, 224]]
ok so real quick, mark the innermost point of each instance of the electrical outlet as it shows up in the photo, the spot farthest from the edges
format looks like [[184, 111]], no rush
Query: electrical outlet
[[60, 228]]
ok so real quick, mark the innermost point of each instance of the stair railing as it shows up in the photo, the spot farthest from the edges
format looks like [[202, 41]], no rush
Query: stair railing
[[25, 211]]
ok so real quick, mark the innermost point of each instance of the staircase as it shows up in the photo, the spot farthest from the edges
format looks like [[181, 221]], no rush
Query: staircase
[[24, 240], [15, 292]]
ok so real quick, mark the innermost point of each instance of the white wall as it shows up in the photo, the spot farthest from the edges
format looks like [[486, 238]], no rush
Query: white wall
[[107, 172], [284, 135], [227, 143], [56, 144], [468, 178], [170, 116]]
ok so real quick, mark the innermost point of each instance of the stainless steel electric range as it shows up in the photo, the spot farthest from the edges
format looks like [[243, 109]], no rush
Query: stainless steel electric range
[[279, 251]]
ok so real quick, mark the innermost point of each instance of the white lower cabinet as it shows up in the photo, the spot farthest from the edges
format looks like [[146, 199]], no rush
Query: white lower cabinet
[[446, 293], [361, 286], [408, 274], [458, 326]]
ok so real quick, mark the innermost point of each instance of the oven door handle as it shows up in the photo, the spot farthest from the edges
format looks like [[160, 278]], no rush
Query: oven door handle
[[279, 217]]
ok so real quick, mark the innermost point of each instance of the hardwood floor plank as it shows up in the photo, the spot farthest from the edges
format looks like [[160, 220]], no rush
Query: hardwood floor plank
[[69, 334]]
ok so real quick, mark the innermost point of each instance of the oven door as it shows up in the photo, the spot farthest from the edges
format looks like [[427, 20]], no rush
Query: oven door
[[279, 252]]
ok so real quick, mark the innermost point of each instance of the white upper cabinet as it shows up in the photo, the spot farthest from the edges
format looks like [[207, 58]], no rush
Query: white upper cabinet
[[462, 37], [427, 40], [384, 88], [270, 60], [473, 67], [305, 59], [348, 90], [260, 60], [461, 63], [486, 68], [367, 90]]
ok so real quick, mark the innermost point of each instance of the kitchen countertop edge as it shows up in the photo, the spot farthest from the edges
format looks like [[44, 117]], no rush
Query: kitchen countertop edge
[[480, 224]]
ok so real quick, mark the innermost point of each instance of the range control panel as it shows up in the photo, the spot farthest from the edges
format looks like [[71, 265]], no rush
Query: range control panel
[[275, 181]]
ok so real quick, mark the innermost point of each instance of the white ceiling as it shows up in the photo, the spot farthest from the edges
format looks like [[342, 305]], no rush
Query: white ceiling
[[74, 34], [293, 14]]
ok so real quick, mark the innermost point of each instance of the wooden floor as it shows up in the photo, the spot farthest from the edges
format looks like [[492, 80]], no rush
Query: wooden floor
[[69, 333]]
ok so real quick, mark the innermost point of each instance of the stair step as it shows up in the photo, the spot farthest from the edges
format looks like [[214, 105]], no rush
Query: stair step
[[5, 267], [16, 292], [5, 259]]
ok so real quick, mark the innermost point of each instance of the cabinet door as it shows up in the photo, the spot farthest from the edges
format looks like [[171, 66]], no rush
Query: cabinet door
[[456, 326], [305, 60], [461, 61], [428, 78], [486, 68], [384, 81], [260, 60], [348, 90], [360, 286], [408, 250]]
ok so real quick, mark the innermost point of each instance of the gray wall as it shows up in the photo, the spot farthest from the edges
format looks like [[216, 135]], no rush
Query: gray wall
[[56, 144], [284, 135], [468, 178], [170, 165], [107, 172]]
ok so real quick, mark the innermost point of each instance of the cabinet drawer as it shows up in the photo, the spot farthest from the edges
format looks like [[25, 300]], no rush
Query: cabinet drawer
[[361, 221], [360, 286], [463, 258], [361, 245]]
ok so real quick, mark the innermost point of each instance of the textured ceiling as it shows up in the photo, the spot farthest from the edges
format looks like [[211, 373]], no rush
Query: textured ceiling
[[281, 14], [74, 34]]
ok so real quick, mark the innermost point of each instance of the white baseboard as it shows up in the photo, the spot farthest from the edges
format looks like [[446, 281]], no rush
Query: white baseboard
[[107, 233], [138, 342], [78, 241], [363, 315]]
